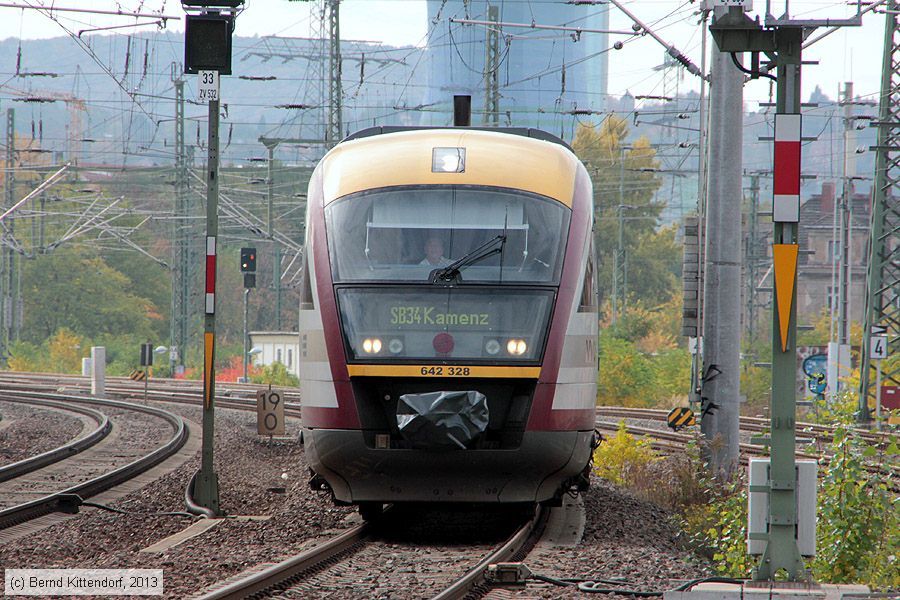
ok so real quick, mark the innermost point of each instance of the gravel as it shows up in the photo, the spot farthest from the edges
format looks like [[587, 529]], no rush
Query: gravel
[[26, 431], [247, 469], [416, 553], [624, 537], [133, 435]]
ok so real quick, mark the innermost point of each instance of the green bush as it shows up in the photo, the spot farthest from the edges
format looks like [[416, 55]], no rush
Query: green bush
[[276, 374], [60, 353], [858, 521], [719, 527], [622, 459], [626, 376], [858, 534], [839, 409], [680, 482]]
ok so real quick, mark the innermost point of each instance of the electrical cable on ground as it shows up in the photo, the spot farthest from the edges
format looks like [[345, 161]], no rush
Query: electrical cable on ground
[[598, 586], [74, 501]]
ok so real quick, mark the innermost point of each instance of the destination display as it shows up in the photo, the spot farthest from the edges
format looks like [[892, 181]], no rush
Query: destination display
[[433, 315], [441, 324]]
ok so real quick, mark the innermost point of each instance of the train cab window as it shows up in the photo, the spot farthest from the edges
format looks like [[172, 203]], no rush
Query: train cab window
[[306, 296], [588, 301], [403, 234]]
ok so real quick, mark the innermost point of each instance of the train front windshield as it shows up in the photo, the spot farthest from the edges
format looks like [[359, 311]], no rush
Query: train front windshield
[[403, 234], [386, 246]]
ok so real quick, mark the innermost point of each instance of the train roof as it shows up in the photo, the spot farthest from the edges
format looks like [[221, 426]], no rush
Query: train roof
[[529, 132], [383, 157]]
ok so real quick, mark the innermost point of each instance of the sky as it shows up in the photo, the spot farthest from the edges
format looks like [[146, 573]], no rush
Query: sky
[[850, 54]]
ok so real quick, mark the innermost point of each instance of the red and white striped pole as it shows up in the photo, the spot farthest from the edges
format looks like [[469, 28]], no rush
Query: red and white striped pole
[[209, 334], [210, 275], [786, 205]]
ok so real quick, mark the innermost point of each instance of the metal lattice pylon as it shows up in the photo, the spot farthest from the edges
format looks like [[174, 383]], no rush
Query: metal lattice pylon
[[334, 134], [492, 71], [181, 264], [882, 304]]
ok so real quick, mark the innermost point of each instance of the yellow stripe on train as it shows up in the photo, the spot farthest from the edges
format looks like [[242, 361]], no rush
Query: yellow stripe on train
[[405, 158], [442, 371]]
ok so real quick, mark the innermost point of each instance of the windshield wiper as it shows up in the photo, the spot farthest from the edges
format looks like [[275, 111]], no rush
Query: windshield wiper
[[451, 271]]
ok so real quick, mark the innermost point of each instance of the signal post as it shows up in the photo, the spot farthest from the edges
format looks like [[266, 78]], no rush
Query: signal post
[[207, 50], [248, 268], [781, 41]]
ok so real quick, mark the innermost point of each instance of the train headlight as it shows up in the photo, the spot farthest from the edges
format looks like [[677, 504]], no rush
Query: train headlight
[[492, 347], [395, 346], [516, 347], [448, 160], [371, 345]]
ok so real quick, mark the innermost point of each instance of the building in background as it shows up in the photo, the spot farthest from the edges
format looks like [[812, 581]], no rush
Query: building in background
[[541, 72], [277, 346], [817, 278]]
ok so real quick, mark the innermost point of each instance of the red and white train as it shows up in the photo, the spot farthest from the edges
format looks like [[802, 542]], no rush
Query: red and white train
[[448, 322]]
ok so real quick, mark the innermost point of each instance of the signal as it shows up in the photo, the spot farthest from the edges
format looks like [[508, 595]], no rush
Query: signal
[[248, 260]]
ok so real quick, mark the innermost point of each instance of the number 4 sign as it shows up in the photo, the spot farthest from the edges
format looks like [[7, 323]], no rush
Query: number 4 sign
[[878, 346]]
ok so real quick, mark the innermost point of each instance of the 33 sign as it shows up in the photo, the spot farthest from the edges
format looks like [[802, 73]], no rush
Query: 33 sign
[[208, 86], [269, 413]]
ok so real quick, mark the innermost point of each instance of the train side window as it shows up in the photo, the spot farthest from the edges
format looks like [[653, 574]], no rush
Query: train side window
[[588, 301], [306, 295]]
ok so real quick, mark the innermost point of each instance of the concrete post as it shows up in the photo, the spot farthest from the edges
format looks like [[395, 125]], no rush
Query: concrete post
[[720, 391], [206, 489]]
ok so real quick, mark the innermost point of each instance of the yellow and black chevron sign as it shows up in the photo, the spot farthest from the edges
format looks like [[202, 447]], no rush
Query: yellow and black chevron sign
[[137, 375], [681, 417]]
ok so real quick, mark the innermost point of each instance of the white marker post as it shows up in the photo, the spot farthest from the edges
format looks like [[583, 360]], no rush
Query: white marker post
[[98, 371], [878, 351]]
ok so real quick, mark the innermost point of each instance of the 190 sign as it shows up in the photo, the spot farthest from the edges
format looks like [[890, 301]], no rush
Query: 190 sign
[[269, 413]]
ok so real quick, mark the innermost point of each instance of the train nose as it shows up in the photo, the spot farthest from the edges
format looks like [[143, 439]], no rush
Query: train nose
[[442, 420]]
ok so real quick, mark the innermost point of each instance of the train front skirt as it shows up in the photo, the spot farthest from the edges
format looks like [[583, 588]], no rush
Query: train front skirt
[[533, 472]]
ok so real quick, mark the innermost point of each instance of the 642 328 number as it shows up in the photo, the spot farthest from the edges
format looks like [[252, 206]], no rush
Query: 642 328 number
[[445, 371]]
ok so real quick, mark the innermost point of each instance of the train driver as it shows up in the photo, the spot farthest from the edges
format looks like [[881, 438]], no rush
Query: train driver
[[434, 253]]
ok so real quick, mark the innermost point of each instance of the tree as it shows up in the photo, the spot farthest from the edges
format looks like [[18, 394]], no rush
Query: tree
[[60, 353], [624, 186], [71, 288], [654, 267]]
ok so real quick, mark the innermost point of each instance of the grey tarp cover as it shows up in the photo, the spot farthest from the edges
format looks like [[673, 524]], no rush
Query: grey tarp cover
[[442, 419]]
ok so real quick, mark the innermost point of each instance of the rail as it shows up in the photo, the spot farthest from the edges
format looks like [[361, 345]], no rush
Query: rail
[[68, 500], [39, 461]]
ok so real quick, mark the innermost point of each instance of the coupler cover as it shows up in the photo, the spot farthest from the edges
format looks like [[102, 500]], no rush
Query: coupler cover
[[442, 420]]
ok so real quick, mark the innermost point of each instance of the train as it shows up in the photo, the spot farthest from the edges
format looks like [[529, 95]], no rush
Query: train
[[448, 318]]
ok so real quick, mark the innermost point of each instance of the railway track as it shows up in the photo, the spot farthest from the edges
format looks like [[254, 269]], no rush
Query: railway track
[[80, 443], [60, 479], [750, 424], [125, 386], [372, 559], [242, 397], [177, 391], [670, 441], [359, 551]]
